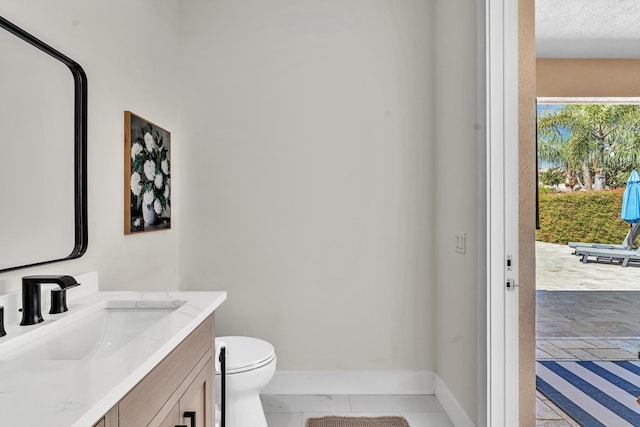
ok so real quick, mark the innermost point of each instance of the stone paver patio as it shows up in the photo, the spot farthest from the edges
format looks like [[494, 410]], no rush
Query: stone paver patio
[[583, 312]]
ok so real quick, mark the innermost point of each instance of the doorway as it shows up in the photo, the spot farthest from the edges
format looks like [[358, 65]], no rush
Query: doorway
[[546, 77], [587, 320]]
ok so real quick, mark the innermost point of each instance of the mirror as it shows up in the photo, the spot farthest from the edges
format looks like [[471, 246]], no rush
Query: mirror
[[43, 152]]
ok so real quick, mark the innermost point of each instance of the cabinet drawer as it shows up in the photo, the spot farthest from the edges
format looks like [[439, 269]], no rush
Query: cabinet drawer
[[144, 401]]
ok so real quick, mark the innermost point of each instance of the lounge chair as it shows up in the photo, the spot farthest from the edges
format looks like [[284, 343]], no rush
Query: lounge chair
[[627, 243], [623, 256]]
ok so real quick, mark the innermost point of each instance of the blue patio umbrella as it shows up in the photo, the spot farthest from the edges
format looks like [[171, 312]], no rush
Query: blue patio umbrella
[[631, 200]]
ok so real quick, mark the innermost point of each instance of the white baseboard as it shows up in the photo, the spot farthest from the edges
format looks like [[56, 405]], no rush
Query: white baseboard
[[351, 382], [456, 414]]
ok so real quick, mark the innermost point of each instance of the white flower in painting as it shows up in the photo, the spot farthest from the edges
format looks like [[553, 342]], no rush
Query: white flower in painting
[[135, 184], [164, 165], [149, 142], [137, 222], [150, 170], [135, 150], [148, 198], [157, 206], [166, 191], [158, 181]]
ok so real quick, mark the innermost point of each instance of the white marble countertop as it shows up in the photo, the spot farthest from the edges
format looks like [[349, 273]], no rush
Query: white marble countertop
[[79, 392]]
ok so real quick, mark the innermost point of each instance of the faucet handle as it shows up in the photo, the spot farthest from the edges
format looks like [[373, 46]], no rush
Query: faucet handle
[[59, 300], [2, 331]]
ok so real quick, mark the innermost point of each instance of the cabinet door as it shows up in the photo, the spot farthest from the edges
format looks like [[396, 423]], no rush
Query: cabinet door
[[198, 399], [142, 404], [173, 419]]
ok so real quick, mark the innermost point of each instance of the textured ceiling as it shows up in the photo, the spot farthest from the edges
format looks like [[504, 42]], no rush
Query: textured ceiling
[[588, 28]]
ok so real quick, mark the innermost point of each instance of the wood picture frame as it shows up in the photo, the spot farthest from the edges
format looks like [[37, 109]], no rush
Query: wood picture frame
[[147, 175]]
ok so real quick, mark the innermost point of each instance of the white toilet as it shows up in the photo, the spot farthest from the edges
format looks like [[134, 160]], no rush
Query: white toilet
[[250, 365]]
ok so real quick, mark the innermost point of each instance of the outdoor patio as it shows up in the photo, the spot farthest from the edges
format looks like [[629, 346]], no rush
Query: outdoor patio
[[583, 312]]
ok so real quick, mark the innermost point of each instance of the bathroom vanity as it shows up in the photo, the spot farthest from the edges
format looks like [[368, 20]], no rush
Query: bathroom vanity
[[114, 359], [178, 391]]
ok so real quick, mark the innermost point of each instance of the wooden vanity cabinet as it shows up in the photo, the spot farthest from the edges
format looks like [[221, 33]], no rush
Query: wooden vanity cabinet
[[181, 383], [173, 419], [196, 399]]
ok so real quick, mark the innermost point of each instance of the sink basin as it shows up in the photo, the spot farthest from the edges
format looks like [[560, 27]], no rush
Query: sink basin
[[95, 335]]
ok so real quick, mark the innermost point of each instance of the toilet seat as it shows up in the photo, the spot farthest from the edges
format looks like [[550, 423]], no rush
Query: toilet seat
[[245, 354]]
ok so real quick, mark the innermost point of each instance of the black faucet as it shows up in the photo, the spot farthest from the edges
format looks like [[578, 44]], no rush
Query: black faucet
[[31, 302], [2, 331]]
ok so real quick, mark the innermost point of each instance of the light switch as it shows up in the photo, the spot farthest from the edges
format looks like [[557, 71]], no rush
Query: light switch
[[461, 243]]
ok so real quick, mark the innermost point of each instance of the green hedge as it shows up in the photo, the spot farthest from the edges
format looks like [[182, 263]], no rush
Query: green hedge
[[584, 216]]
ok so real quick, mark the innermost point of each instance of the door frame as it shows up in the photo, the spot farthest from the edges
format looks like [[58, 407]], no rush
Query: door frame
[[502, 212]]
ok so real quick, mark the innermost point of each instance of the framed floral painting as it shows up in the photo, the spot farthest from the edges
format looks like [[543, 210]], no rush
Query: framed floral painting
[[147, 175]]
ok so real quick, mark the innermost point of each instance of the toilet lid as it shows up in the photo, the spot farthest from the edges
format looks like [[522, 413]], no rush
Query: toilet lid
[[246, 353]]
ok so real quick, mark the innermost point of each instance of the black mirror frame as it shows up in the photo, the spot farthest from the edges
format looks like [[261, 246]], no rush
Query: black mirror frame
[[80, 143]]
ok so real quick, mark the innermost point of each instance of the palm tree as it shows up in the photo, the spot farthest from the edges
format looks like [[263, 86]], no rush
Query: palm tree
[[590, 137]]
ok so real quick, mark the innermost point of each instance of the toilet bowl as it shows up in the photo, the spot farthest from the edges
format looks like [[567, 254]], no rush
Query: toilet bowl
[[250, 365]]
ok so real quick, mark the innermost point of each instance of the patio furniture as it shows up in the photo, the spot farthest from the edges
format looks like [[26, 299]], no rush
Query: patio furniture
[[627, 243], [622, 256], [630, 213]]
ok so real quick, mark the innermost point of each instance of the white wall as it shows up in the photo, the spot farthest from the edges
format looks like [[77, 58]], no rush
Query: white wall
[[458, 200], [310, 161], [312, 174], [128, 52]]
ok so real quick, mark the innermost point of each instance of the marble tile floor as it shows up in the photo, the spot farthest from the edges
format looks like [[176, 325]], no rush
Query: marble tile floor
[[293, 410]]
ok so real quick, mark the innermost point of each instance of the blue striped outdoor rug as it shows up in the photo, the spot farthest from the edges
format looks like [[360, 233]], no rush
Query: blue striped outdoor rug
[[595, 394]]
